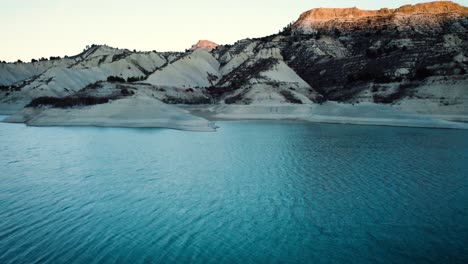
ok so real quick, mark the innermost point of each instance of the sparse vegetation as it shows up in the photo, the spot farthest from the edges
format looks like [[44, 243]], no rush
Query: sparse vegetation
[[126, 92], [422, 73], [320, 99], [197, 100], [9, 88], [217, 92], [290, 97], [93, 86], [402, 91], [372, 53], [115, 79], [370, 74], [67, 102], [337, 33], [135, 79], [234, 99], [318, 35], [287, 30]]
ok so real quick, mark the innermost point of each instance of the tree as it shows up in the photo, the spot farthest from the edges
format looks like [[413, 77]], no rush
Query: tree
[[287, 30], [33, 60]]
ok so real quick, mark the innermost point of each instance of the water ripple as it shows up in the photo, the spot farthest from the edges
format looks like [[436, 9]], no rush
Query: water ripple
[[253, 192]]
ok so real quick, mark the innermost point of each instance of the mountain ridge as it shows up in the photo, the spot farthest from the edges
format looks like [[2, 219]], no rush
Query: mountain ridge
[[414, 63], [436, 7]]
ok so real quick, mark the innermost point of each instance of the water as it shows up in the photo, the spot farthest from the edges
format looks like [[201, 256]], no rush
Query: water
[[254, 192]]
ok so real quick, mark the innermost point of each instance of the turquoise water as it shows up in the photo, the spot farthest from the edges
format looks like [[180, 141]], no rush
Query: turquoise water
[[254, 192]]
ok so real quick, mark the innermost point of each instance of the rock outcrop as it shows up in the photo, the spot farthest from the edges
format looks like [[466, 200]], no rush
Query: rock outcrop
[[424, 14], [205, 44]]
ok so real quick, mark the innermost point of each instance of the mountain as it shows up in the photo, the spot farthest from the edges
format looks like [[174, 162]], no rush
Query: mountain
[[205, 44], [412, 59]]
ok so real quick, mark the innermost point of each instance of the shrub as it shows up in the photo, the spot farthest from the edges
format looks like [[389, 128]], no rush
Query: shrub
[[369, 74], [320, 99], [289, 96], [94, 85], [337, 33], [422, 73], [372, 53], [7, 88], [67, 102], [126, 92], [402, 91], [135, 79], [318, 35], [175, 100], [234, 99], [115, 79], [287, 30]]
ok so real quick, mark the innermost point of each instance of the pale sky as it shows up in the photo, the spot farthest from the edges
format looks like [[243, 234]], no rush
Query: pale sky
[[44, 28]]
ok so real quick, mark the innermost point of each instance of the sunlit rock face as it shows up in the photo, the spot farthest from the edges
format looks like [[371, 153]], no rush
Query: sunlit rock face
[[432, 13], [205, 44]]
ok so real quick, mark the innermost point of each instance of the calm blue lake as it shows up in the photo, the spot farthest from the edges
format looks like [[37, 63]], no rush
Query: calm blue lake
[[254, 192]]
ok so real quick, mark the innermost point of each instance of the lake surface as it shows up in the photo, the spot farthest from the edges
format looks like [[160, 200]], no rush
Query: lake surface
[[254, 192]]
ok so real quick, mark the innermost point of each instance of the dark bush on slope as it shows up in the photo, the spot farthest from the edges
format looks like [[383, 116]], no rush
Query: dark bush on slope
[[67, 102], [135, 79], [115, 79], [290, 98], [422, 73]]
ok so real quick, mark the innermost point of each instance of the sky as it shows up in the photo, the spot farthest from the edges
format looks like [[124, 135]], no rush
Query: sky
[[44, 28]]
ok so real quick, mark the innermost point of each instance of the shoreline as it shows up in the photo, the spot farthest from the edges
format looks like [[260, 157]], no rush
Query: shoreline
[[329, 113], [148, 113], [135, 112]]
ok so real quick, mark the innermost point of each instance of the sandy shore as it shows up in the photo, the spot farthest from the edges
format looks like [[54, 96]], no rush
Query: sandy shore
[[136, 112], [330, 112], [144, 112]]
